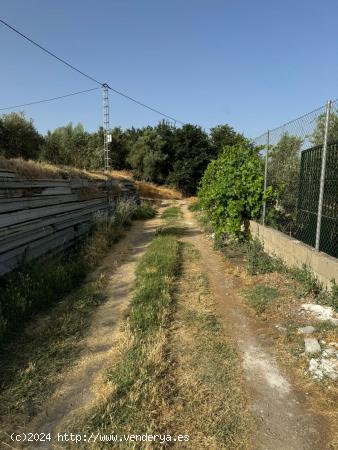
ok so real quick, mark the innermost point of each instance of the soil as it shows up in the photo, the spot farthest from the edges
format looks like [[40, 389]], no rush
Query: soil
[[284, 422]]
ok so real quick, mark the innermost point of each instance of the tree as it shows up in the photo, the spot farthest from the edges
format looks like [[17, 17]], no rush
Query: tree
[[148, 158], [231, 190], [191, 155], [67, 146], [283, 177], [317, 137], [19, 137], [224, 135]]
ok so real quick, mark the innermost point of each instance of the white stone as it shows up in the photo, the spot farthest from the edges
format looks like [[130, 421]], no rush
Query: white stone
[[328, 352], [329, 368], [321, 312], [306, 330], [314, 369], [311, 345]]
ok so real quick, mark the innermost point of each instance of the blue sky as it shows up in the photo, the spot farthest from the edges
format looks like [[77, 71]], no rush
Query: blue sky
[[252, 64]]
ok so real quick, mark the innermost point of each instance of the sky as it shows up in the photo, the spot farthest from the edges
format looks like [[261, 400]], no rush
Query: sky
[[251, 64]]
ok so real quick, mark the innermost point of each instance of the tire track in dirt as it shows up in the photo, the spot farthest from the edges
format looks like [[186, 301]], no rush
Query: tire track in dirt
[[283, 421], [79, 387]]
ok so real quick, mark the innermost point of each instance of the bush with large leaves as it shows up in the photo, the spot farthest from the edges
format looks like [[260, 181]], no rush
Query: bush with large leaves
[[231, 190]]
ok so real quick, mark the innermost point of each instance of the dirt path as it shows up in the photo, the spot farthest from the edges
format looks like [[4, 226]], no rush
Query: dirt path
[[283, 421], [78, 388]]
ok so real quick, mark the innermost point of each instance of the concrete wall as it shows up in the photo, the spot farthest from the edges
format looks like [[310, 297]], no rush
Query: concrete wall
[[295, 253], [41, 218]]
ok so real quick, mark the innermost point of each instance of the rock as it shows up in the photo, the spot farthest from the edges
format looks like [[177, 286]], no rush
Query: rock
[[306, 330], [281, 329], [334, 344], [314, 369], [320, 368], [329, 368], [328, 352], [321, 312], [311, 345]]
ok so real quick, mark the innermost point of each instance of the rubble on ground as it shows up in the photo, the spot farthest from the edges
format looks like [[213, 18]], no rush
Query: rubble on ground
[[327, 364], [323, 313]]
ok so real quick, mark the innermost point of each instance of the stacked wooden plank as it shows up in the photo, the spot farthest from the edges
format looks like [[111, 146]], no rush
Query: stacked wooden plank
[[42, 217]]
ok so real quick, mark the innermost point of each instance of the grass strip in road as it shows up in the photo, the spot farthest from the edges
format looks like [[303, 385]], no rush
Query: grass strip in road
[[139, 378], [210, 401], [171, 214]]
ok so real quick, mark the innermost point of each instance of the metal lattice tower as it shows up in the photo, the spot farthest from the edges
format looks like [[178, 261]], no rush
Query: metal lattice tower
[[106, 136]]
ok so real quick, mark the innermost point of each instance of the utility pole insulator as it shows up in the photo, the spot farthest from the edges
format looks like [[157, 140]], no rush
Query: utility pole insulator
[[106, 130]]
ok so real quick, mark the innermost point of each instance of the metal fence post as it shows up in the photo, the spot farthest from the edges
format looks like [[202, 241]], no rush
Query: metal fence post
[[266, 173], [322, 175]]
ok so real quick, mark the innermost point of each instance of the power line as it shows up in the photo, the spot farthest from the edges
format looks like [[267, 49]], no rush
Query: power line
[[145, 106], [49, 99], [86, 75], [49, 53]]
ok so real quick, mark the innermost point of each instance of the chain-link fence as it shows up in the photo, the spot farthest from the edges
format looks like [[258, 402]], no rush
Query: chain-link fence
[[301, 178]]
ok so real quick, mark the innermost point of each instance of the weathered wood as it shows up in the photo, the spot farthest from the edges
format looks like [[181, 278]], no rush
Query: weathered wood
[[25, 238], [24, 184], [10, 204], [40, 218], [36, 213], [58, 221], [24, 192], [7, 173], [11, 259]]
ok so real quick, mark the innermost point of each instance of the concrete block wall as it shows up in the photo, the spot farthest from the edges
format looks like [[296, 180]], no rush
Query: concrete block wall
[[296, 253], [42, 217]]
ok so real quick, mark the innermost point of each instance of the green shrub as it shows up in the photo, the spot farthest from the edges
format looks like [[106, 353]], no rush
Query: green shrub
[[195, 206], [333, 298], [123, 213], [144, 211], [231, 190], [308, 282], [260, 262]]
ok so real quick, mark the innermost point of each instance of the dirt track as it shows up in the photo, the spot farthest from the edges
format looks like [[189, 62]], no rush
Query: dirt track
[[283, 422], [78, 389]]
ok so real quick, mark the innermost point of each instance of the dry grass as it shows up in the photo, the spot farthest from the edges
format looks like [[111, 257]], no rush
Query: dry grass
[[172, 373], [151, 190], [139, 388], [43, 170], [40, 170], [210, 403]]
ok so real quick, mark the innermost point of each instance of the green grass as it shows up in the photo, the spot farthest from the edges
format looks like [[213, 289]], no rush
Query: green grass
[[34, 355], [261, 296], [35, 287], [38, 285], [259, 262], [195, 206], [31, 365], [171, 214], [144, 211], [139, 376]]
